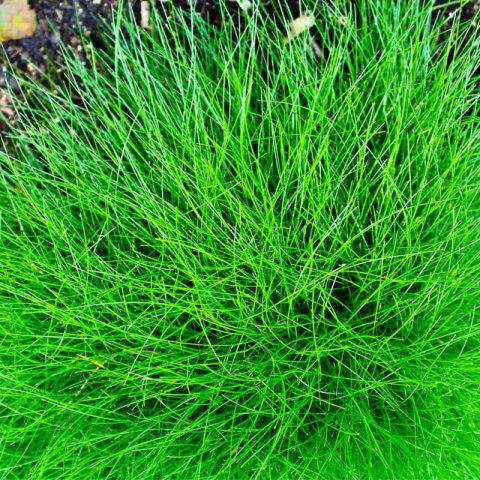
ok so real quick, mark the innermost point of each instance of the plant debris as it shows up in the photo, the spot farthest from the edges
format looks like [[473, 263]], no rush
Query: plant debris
[[299, 25], [17, 20]]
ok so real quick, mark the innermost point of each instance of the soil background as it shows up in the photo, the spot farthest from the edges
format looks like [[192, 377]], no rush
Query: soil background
[[66, 21]]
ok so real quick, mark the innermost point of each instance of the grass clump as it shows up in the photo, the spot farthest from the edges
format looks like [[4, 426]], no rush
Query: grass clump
[[223, 257]]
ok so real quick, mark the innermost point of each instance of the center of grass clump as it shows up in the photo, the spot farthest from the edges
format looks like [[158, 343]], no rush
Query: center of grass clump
[[233, 256]]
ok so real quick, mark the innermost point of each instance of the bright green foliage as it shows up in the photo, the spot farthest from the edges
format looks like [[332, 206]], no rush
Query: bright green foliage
[[222, 257]]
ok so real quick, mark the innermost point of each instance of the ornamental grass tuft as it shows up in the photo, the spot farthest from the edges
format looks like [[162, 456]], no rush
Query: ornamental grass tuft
[[227, 255]]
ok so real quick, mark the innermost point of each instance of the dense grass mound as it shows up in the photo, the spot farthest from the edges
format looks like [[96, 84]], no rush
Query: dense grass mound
[[224, 257]]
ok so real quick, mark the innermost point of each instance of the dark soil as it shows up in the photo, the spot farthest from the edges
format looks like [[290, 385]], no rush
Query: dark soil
[[66, 21]]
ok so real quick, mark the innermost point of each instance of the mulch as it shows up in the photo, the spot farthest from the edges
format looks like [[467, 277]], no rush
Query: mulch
[[66, 21]]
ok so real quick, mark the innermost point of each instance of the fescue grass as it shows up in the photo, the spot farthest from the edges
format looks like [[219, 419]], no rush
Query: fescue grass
[[222, 257]]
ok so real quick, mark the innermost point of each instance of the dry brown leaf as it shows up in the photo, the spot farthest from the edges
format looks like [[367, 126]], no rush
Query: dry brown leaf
[[145, 14], [5, 103], [17, 20], [300, 25]]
